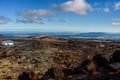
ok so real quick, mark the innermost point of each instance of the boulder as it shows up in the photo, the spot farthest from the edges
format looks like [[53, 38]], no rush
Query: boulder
[[24, 76], [115, 56], [100, 61], [115, 66]]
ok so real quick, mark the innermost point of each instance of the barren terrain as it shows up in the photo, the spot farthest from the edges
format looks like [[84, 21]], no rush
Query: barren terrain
[[52, 58]]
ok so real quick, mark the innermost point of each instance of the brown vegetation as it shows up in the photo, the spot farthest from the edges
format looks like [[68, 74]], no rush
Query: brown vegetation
[[50, 58]]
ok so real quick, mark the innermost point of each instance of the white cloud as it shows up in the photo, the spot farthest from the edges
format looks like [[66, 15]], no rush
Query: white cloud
[[36, 19], [106, 10], [4, 20], [20, 20], [116, 19], [30, 20], [79, 7], [33, 16], [117, 5], [116, 23], [39, 12]]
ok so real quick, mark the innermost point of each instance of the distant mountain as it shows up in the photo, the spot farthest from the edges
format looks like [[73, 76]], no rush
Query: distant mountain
[[88, 35], [91, 34], [1, 35], [98, 35]]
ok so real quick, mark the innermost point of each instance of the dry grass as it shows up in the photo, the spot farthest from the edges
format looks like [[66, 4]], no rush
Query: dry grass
[[59, 75], [91, 67]]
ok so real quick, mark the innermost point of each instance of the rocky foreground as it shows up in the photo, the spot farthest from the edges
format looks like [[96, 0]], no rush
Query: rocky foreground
[[51, 58]]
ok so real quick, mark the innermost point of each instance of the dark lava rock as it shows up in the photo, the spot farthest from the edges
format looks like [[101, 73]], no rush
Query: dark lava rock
[[24, 76], [115, 56], [100, 61], [49, 74], [89, 77], [115, 66], [29, 75], [82, 68], [71, 42]]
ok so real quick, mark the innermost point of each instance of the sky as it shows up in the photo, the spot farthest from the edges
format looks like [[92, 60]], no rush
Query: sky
[[60, 15]]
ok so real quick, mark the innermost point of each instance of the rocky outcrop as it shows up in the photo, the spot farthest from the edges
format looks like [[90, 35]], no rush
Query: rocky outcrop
[[115, 56], [100, 61]]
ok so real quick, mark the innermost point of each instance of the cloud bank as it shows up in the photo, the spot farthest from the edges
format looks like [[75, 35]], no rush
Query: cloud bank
[[116, 23], [4, 20]]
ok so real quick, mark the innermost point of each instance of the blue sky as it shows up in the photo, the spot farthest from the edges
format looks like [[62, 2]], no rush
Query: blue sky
[[60, 15]]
